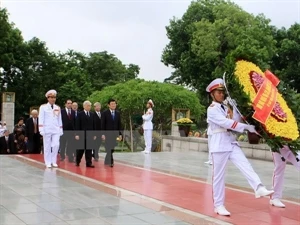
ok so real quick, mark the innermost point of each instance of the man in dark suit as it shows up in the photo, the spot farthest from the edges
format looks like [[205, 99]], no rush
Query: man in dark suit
[[111, 128], [85, 127], [97, 108], [32, 133], [7, 143], [75, 108], [67, 139]]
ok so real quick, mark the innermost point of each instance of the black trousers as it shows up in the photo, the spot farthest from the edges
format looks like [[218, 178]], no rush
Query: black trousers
[[96, 148], [109, 148], [67, 144], [85, 145], [34, 144], [88, 156]]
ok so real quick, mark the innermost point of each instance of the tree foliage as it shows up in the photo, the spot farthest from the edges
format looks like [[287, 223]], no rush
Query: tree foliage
[[210, 37], [30, 69], [133, 95], [286, 62]]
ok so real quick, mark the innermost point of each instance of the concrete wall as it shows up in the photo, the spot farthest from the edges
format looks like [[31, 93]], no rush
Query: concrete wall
[[184, 144]]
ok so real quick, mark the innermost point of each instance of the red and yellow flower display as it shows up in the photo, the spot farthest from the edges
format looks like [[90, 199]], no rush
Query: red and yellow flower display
[[280, 122]]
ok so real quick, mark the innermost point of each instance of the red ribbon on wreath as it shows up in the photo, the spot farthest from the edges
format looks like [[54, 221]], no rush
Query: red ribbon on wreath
[[266, 98]]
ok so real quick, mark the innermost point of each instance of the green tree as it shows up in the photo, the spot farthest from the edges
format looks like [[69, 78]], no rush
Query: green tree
[[286, 62], [210, 37], [133, 95], [38, 74], [75, 83], [11, 45], [106, 69], [30, 69]]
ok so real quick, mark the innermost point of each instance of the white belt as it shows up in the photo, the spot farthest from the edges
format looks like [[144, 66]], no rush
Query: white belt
[[220, 130]]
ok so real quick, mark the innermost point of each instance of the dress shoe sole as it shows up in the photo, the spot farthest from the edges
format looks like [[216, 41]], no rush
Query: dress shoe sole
[[259, 196]]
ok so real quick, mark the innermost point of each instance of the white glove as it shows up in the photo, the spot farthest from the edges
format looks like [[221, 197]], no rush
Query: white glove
[[251, 129], [42, 133], [231, 101]]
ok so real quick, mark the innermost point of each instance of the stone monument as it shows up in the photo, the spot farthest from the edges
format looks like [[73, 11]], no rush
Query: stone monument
[[8, 109]]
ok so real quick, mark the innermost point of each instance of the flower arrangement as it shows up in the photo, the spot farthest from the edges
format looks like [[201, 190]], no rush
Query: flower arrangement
[[184, 121], [263, 106]]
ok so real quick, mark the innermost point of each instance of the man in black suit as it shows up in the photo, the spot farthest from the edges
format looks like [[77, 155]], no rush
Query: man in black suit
[[85, 127], [32, 133], [75, 108], [67, 139], [97, 108], [111, 128], [7, 143]]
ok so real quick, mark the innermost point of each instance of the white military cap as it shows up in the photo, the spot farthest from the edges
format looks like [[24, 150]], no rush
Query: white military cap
[[151, 102], [216, 84], [51, 92]]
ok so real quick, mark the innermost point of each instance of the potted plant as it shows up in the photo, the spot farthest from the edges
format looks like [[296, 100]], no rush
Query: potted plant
[[184, 125]]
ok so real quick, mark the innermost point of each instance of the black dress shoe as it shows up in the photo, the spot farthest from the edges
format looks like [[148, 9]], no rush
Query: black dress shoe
[[91, 166], [77, 164], [111, 165]]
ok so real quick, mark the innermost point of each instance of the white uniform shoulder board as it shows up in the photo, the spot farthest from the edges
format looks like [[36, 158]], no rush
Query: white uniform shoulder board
[[212, 105]]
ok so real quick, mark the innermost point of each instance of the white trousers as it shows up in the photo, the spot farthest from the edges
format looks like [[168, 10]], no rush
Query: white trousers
[[148, 140], [51, 146], [220, 160], [278, 175]]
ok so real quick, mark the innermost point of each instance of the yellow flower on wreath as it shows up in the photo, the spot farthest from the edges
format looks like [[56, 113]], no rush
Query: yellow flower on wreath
[[286, 129]]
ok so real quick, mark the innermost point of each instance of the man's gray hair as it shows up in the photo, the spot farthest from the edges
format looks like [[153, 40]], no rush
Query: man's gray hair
[[86, 103], [97, 104], [34, 111]]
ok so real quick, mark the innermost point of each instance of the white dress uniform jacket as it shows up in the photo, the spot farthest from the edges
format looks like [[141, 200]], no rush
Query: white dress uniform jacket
[[220, 126], [50, 121], [148, 125]]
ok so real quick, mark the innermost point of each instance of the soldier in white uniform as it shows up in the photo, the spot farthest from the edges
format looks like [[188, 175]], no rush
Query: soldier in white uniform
[[50, 127], [148, 127], [224, 147], [278, 176]]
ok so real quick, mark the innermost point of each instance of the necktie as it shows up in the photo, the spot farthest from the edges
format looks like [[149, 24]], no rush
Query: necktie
[[88, 114], [113, 114], [69, 113], [52, 106], [99, 115], [35, 126], [222, 106]]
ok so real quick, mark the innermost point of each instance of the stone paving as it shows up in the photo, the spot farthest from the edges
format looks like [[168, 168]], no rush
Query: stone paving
[[29, 195]]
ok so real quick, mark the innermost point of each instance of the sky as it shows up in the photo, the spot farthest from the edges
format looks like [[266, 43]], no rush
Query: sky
[[134, 30]]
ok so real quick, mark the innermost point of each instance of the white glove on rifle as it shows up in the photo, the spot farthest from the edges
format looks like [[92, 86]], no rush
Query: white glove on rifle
[[251, 129], [230, 101]]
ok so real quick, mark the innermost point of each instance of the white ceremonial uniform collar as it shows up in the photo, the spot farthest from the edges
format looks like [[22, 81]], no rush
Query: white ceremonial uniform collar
[[219, 105], [49, 105]]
